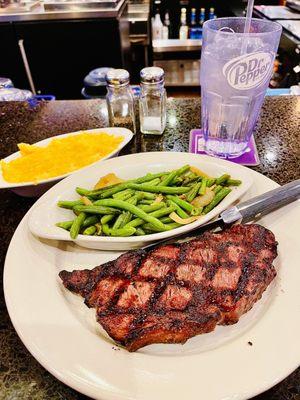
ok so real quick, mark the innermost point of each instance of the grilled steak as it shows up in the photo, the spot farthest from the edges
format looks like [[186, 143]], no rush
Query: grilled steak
[[173, 292]]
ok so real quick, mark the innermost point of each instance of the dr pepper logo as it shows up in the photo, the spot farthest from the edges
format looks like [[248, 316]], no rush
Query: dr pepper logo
[[249, 71]]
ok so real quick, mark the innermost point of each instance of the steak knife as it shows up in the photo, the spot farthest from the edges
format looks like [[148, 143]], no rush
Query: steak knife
[[247, 211]]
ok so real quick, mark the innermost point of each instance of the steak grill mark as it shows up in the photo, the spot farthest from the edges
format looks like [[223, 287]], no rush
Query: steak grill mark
[[174, 292]]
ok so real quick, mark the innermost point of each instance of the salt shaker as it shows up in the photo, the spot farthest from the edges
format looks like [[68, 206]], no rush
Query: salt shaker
[[119, 99], [152, 103]]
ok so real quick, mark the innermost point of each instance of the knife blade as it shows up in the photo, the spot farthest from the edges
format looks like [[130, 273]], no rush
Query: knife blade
[[247, 211]]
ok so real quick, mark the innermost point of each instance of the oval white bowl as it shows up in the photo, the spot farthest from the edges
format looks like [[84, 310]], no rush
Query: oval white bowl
[[31, 189], [45, 212]]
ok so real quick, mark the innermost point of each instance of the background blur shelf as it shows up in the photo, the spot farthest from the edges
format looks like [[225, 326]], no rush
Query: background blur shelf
[[176, 45]]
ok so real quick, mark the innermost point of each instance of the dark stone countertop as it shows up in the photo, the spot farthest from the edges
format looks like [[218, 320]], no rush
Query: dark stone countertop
[[278, 142]]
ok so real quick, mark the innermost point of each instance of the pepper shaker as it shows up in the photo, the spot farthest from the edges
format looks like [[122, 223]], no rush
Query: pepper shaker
[[119, 100], [152, 103]]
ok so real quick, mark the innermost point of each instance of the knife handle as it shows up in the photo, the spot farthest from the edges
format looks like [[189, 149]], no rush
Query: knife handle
[[269, 201]]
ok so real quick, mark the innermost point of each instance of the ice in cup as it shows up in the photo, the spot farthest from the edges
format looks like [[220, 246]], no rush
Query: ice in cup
[[236, 68]]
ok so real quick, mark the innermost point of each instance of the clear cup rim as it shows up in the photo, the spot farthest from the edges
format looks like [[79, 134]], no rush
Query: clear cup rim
[[277, 26]]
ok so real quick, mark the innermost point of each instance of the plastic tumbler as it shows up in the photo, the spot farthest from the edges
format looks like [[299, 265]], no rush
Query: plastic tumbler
[[236, 68]]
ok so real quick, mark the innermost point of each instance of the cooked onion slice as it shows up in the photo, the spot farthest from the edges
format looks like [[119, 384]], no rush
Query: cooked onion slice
[[202, 201], [86, 201], [158, 199], [183, 221]]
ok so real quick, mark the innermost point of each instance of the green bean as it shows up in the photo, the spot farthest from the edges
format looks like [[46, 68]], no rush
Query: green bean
[[110, 192], [105, 229], [139, 232], [233, 182], [150, 177], [77, 223], [169, 178], [106, 218], [166, 220], [118, 221], [91, 230], [203, 186], [149, 196], [177, 181], [222, 179], [127, 218], [97, 209], [118, 232], [157, 214], [123, 205], [82, 191], [179, 210], [90, 220], [146, 202], [65, 225], [217, 189], [181, 203], [210, 182], [122, 232], [216, 200], [154, 182], [136, 198], [190, 177], [69, 204], [124, 194], [193, 192], [192, 183], [152, 207], [173, 174], [196, 211], [159, 189], [167, 227]]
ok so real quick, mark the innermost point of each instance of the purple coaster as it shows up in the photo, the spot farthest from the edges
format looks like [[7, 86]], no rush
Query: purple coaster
[[250, 157]]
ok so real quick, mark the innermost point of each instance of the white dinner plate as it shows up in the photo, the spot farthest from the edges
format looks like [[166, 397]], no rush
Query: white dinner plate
[[232, 363], [29, 189], [45, 213]]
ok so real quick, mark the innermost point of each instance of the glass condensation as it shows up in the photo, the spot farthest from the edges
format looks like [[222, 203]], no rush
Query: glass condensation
[[153, 108]]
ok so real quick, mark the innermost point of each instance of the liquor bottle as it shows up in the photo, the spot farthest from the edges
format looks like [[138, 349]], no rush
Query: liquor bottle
[[211, 13], [157, 27], [166, 27], [184, 29], [193, 27], [201, 21]]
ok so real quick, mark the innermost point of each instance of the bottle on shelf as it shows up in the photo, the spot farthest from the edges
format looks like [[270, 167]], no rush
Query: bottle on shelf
[[157, 26], [201, 21], [184, 29], [194, 29], [211, 13], [166, 26]]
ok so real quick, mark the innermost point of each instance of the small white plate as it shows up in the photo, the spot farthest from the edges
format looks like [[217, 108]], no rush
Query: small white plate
[[63, 335], [45, 213], [30, 189]]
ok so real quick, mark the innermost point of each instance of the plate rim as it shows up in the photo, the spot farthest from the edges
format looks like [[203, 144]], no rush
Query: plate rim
[[87, 390], [128, 135]]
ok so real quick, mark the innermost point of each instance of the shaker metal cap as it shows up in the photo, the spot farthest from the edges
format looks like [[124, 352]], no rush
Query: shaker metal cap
[[152, 75], [117, 77]]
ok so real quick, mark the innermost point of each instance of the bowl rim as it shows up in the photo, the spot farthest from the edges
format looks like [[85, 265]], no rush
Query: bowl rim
[[128, 134], [64, 235]]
